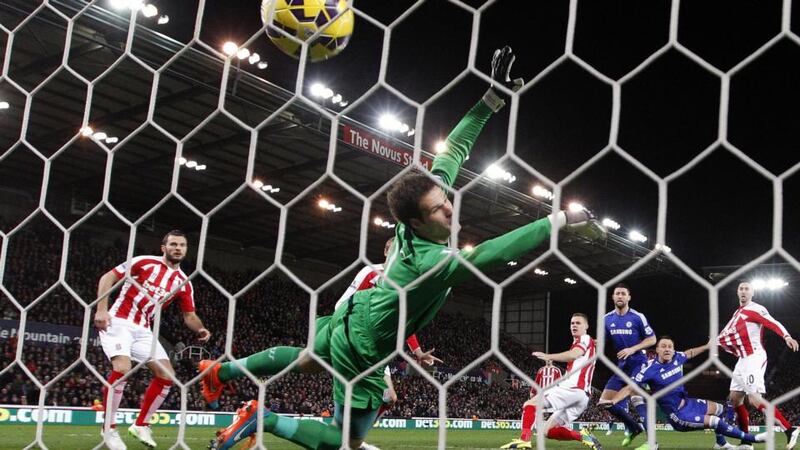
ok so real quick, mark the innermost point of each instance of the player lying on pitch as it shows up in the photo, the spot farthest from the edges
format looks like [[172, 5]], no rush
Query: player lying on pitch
[[684, 413]]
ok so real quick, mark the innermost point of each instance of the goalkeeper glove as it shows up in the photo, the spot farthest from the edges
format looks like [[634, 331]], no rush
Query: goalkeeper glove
[[583, 223], [502, 60]]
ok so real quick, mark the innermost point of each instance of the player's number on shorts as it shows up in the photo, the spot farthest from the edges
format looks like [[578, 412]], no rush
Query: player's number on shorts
[[751, 379]]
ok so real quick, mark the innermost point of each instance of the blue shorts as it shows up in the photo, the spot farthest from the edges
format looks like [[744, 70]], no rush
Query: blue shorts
[[631, 366], [361, 420], [691, 417]]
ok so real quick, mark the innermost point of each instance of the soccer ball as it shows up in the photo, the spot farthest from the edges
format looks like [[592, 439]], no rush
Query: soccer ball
[[303, 18]]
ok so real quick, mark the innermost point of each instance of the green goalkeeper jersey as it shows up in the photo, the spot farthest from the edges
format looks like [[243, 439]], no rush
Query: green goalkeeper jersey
[[364, 333], [413, 257]]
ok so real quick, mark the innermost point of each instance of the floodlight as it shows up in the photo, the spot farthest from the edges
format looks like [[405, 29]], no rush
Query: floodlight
[[150, 10], [539, 191], [243, 53], [262, 65], [4, 105], [163, 20], [323, 204], [611, 223], [317, 89], [87, 131], [494, 172], [230, 48], [440, 147], [254, 58], [637, 236], [388, 122], [575, 207], [191, 164], [774, 284]]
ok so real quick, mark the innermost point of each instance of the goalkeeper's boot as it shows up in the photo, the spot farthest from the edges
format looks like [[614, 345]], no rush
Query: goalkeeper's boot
[[243, 426], [589, 440], [517, 443], [583, 223], [143, 434], [210, 384]]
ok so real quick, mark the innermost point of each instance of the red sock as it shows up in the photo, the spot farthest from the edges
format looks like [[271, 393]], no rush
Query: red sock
[[111, 402], [743, 418], [153, 398], [778, 416], [528, 417], [563, 434]]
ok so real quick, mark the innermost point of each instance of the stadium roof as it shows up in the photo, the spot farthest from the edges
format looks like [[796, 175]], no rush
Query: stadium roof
[[291, 149]]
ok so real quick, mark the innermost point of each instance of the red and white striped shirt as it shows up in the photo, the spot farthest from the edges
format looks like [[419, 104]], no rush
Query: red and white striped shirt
[[744, 333], [581, 376], [366, 279], [545, 376], [159, 281]]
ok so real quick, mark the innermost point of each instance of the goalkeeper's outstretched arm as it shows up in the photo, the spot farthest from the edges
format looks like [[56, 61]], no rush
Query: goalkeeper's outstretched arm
[[461, 139]]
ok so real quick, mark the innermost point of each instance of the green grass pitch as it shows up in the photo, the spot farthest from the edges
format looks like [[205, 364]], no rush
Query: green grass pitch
[[66, 437]]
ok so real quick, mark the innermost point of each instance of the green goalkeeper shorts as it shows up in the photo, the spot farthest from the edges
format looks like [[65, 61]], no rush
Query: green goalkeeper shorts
[[344, 340]]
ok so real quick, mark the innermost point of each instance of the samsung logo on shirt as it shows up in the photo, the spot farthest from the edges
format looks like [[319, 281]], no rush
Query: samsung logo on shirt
[[672, 372], [621, 331]]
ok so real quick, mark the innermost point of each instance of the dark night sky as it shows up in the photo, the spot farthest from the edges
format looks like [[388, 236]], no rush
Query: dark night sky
[[719, 213]]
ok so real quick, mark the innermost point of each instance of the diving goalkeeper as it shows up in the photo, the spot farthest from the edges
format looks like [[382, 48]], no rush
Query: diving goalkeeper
[[357, 337]]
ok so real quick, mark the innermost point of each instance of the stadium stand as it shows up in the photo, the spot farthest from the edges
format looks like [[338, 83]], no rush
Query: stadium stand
[[35, 256]]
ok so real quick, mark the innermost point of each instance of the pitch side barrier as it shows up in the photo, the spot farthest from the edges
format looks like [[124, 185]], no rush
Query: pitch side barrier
[[15, 415]]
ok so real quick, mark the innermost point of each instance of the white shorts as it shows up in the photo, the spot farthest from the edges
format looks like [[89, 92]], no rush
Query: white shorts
[[567, 404], [748, 374], [125, 338]]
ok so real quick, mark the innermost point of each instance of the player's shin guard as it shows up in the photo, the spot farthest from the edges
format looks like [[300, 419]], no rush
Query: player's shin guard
[[727, 415], [618, 412], [724, 428], [308, 434], [112, 398], [528, 417], [154, 396], [267, 362]]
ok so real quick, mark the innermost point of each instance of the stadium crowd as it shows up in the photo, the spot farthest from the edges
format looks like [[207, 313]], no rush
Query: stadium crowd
[[33, 261]]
